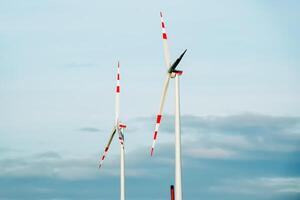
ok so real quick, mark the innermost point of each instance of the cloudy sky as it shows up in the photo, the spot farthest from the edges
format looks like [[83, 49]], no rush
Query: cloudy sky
[[240, 98]]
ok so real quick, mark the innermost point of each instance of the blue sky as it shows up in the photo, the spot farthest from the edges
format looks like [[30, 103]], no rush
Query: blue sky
[[239, 98]]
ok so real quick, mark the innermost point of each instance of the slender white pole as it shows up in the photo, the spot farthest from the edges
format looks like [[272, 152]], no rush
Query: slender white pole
[[178, 187], [122, 154], [122, 175]]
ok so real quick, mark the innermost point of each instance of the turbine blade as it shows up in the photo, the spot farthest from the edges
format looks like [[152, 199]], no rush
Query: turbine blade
[[165, 42], [107, 146], [121, 137], [118, 88], [177, 61], [161, 107]]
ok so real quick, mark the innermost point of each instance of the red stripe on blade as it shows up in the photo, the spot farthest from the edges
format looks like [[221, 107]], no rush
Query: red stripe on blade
[[155, 135], [164, 36], [158, 118], [163, 24], [118, 89]]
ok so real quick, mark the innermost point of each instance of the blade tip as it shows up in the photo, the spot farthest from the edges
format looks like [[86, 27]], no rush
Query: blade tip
[[151, 151]]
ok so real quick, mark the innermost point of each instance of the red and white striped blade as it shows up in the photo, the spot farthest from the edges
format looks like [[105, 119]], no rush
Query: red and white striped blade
[[121, 127], [118, 79], [118, 90], [161, 107], [107, 146], [165, 42], [121, 137]]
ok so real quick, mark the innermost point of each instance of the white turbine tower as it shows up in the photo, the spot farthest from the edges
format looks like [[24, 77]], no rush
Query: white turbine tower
[[118, 127], [171, 73]]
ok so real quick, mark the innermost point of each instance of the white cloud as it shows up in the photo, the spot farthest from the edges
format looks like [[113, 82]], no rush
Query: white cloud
[[50, 164], [261, 185], [210, 153]]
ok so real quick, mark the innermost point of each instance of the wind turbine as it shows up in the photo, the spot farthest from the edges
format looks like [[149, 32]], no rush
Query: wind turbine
[[172, 72], [118, 127]]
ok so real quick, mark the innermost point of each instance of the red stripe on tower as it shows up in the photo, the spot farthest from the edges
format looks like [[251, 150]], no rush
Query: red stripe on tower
[[172, 193]]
